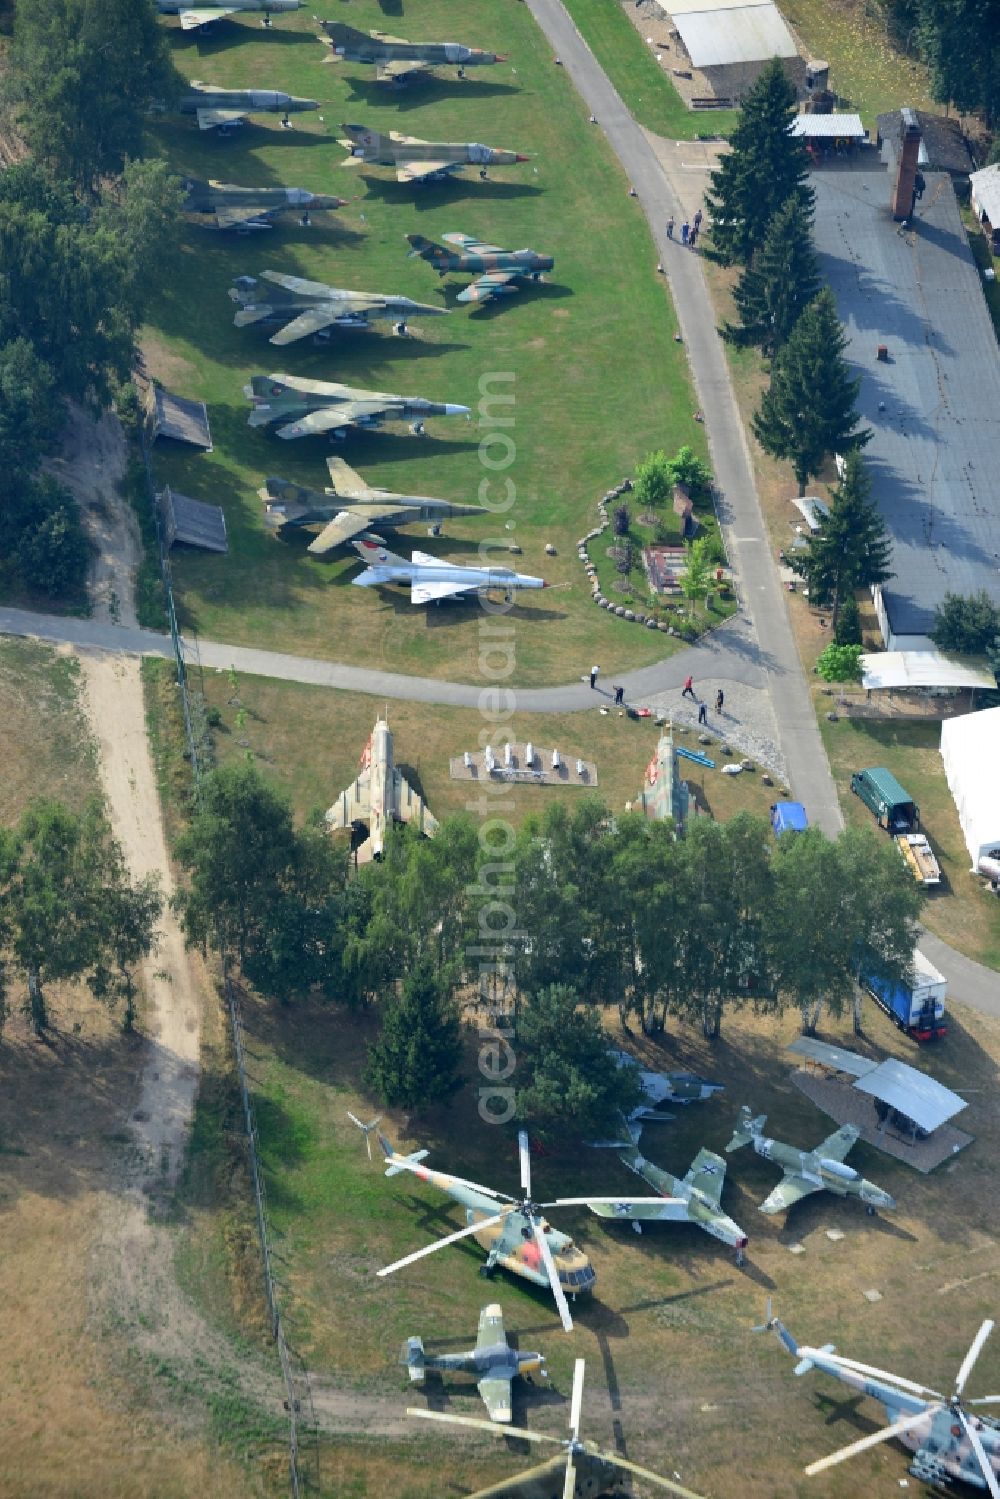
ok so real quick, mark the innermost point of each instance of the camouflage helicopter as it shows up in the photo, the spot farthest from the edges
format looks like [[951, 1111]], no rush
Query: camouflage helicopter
[[513, 1230], [581, 1471], [949, 1443]]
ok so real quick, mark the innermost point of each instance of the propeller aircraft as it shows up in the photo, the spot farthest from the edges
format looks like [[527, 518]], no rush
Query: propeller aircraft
[[807, 1171], [949, 1443], [495, 1363], [581, 1471]]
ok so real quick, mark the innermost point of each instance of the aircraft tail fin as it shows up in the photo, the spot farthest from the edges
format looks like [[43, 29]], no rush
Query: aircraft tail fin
[[631, 1131], [411, 1356], [775, 1325], [747, 1129], [362, 141], [427, 249], [339, 34], [398, 1163], [804, 1364]]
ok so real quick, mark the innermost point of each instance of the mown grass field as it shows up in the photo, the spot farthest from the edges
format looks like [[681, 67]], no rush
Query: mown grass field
[[598, 380]]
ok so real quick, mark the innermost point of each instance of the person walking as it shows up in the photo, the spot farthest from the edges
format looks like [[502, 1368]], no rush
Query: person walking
[[703, 713], [693, 237], [696, 221], [719, 700], [619, 696], [685, 231], [593, 676], [670, 227], [688, 688]]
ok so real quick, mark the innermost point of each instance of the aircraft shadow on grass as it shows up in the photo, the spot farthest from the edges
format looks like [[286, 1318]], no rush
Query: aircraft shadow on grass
[[207, 41], [539, 291], [343, 342], [439, 195], [427, 90]]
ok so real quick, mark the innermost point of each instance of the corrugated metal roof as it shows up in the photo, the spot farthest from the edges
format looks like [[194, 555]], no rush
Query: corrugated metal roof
[[920, 1097], [686, 7], [836, 1057], [748, 33], [814, 510], [829, 127], [934, 458], [986, 186], [887, 669]]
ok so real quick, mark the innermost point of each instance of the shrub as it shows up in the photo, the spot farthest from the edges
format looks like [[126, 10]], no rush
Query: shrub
[[840, 663], [622, 519], [53, 552], [848, 631]]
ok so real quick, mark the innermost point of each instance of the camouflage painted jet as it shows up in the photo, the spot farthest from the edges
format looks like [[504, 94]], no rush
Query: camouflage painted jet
[[495, 1363], [309, 407], [694, 1198], [349, 508], [245, 208], [506, 270], [581, 1471], [513, 1230], [807, 1171], [395, 58], [300, 308], [665, 1087], [195, 13], [431, 579], [379, 795], [949, 1443], [420, 161], [223, 109]]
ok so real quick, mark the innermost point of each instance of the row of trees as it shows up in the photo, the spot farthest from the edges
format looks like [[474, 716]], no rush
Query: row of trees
[[592, 910], [959, 40], [85, 227], [70, 910]]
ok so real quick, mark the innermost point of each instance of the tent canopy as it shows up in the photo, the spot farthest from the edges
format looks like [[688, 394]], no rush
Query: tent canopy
[[921, 1098], [837, 1058], [910, 669], [970, 749]]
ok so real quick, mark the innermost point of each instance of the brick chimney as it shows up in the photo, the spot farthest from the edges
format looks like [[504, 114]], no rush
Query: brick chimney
[[906, 171]]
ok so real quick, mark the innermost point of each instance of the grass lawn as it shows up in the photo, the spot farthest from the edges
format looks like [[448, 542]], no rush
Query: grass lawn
[[867, 73], [668, 1327], [598, 380], [959, 912], [45, 744]]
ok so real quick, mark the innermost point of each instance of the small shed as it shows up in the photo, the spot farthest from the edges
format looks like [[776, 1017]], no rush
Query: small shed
[[928, 671], [911, 1095], [813, 510], [832, 1058], [985, 186], [177, 418], [970, 749], [829, 129], [192, 522], [684, 509]]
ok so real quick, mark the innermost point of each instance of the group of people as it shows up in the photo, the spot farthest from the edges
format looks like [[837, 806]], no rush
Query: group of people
[[688, 691], [689, 231]]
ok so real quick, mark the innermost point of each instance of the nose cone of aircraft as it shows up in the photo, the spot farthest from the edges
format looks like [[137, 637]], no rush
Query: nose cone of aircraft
[[518, 157], [457, 411]]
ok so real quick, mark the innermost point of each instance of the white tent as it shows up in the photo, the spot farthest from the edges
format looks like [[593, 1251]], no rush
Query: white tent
[[970, 749]]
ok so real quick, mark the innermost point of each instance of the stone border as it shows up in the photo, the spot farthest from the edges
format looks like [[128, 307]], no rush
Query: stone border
[[632, 615]]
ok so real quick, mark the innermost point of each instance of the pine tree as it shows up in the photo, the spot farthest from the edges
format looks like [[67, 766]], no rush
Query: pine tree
[[782, 281], [765, 168], [809, 410], [853, 549], [416, 1058]]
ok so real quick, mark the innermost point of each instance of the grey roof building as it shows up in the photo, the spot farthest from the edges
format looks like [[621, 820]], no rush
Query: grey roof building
[[942, 145], [921, 338]]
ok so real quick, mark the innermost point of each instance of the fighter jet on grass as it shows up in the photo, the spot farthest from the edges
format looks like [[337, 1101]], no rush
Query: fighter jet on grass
[[431, 579], [395, 58], [349, 508], [299, 307], [195, 13], [245, 208], [506, 270], [379, 795], [495, 1363], [807, 1171], [420, 161], [308, 407], [223, 109]]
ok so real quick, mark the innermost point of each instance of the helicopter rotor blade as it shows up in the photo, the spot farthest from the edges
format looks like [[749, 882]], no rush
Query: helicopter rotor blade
[[858, 1368], [524, 1151], [576, 1202], [885, 1435], [984, 1400], [462, 1233], [977, 1446], [644, 1473], [490, 1426], [765, 1326], [576, 1400], [970, 1358], [569, 1482], [551, 1272]]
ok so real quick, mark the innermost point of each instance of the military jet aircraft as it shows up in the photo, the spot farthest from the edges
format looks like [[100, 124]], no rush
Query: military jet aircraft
[[506, 270], [308, 407], [950, 1445], [807, 1171], [245, 208], [420, 161], [195, 13], [581, 1471], [513, 1230], [431, 579], [299, 307], [380, 794], [495, 1363], [694, 1198], [349, 507], [665, 1087], [223, 109], [395, 58]]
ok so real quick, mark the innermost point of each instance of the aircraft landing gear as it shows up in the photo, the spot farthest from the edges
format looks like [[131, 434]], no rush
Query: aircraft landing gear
[[306, 221], [482, 174], [400, 329], [741, 1257], [637, 1228], [870, 1211], [286, 123], [266, 23], [461, 72], [418, 429]]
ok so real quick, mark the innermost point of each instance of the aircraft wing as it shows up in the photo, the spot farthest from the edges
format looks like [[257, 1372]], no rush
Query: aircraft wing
[[208, 119], [353, 804], [386, 71], [491, 1329], [496, 1393], [836, 1146], [628, 1211], [431, 593], [343, 414], [346, 481], [227, 216], [707, 1173], [487, 286], [790, 1190], [417, 171], [348, 524], [297, 284], [192, 19], [310, 321], [412, 808], [472, 245]]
